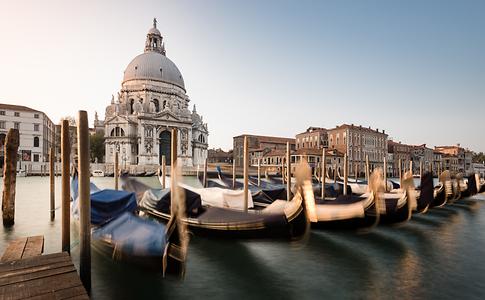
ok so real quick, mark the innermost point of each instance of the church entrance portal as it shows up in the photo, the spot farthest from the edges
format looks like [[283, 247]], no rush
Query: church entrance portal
[[165, 142]]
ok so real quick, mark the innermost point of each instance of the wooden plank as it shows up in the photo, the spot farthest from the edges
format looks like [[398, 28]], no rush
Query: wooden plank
[[71, 292], [34, 246], [40, 286], [39, 274], [34, 261], [34, 272], [14, 250], [83, 297]]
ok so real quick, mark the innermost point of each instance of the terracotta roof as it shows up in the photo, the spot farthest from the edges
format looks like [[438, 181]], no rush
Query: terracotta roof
[[343, 126], [317, 152], [264, 138], [275, 152], [17, 107], [313, 129]]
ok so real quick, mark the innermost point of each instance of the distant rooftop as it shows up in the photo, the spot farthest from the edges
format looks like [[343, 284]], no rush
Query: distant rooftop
[[17, 107], [268, 138]]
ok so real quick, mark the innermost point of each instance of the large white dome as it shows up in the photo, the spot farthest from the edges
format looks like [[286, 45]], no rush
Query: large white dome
[[153, 65]]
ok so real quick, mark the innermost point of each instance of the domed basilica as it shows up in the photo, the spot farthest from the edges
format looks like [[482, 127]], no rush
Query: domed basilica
[[152, 101]]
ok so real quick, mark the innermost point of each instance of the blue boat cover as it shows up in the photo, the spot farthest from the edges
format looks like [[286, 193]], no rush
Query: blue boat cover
[[133, 235], [106, 205]]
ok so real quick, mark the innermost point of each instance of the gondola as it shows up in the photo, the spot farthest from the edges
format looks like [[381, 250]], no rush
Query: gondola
[[469, 188], [150, 174], [345, 212], [394, 207], [120, 234], [280, 219]]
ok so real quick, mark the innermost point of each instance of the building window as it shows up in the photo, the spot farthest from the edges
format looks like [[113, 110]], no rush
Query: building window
[[36, 127], [117, 131], [2, 124], [36, 116], [16, 114], [36, 141], [2, 113], [16, 125], [36, 157]]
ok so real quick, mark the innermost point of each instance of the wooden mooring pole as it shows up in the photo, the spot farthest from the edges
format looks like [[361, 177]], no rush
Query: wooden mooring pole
[[10, 176], [52, 161], [421, 169], [346, 167], [324, 173], [259, 171], [400, 172], [367, 168], [116, 170], [246, 173], [65, 186], [385, 174], [164, 171], [173, 172], [288, 172], [234, 173], [283, 170], [84, 200], [205, 172]]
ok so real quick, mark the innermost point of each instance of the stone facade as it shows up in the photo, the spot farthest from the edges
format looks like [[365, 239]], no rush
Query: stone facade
[[153, 101], [359, 142], [35, 129], [401, 152], [258, 146], [312, 138]]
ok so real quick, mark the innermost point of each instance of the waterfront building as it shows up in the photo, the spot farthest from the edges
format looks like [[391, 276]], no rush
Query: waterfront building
[[312, 138], [259, 146], [401, 152], [437, 162], [479, 168], [421, 153], [153, 101], [357, 142], [35, 129], [453, 158], [219, 156], [468, 161], [334, 158], [390, 165]]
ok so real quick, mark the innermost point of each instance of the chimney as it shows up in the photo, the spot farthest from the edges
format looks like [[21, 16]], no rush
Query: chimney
[[383, 131]]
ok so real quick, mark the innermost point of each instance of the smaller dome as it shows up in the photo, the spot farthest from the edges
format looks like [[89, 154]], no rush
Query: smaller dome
[[154, 31]]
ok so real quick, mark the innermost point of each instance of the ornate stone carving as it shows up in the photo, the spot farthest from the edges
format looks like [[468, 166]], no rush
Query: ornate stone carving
[[148, 145], [184, 141], [137, 107]]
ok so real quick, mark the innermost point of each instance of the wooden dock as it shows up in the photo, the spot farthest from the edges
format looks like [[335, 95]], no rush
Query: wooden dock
[[26, 273]]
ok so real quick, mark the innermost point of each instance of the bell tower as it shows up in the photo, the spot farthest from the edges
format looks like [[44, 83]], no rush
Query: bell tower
[[154, 41]]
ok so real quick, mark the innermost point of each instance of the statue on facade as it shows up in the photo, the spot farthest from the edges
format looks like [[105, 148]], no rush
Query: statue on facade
[[137, 107], [148, 145], [153, 107]]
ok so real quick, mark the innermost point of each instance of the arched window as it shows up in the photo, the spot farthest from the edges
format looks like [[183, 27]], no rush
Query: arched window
[[117, 131], [157, 105], [36, 141], [132, 102], [201, 138]]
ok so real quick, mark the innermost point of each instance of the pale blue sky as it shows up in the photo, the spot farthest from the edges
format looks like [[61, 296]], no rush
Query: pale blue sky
[[414, 68]]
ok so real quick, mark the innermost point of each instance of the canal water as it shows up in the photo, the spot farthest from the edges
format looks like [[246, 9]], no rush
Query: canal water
[[439, 255]]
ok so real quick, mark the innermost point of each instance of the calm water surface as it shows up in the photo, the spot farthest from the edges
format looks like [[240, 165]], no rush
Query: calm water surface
[[439, 255]]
